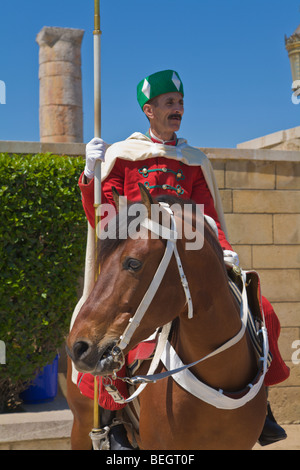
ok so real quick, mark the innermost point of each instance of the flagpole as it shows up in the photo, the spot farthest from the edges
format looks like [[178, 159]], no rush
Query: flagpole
[[97, 101], [97, 175], [97, 70]]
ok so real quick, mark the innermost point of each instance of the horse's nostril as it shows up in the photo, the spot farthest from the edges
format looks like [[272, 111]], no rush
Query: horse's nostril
[[79, 349]]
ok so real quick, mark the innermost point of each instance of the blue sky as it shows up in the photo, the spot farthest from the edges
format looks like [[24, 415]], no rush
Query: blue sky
[[230, 55]]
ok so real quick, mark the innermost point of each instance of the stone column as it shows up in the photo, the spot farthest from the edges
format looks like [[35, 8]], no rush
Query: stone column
[[61, 116]]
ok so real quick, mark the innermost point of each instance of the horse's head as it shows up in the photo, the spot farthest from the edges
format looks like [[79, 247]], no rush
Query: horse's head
[[127, 268]]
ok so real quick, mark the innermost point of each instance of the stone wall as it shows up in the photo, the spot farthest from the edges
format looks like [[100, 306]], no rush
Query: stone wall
[[288, 139], [261, 198]]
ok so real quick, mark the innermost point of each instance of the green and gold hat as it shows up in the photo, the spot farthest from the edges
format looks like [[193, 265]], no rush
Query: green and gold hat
[[157, 84]]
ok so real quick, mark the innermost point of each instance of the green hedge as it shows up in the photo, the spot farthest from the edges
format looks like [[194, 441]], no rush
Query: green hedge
[[43, 237]]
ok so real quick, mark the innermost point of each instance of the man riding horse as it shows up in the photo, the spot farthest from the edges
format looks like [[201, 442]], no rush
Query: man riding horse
[[166, 164]]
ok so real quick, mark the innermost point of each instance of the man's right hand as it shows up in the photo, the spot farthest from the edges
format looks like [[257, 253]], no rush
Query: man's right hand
[[95, 150]]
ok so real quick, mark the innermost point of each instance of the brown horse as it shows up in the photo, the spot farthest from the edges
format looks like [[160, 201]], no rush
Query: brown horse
[[170, 416]]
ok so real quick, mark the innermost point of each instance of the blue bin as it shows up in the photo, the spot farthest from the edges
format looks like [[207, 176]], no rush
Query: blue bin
[[44, 386]]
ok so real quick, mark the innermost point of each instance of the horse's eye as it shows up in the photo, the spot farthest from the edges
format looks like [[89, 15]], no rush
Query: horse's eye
[[132, 264]]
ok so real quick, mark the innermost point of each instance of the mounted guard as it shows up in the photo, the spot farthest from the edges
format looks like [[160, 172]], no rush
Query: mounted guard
[[166, 166]]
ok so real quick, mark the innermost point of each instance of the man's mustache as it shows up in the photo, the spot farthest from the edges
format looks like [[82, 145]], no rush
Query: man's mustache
[[175, 116]]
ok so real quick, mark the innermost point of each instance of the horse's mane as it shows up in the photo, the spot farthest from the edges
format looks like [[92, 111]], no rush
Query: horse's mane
[[108, 245]]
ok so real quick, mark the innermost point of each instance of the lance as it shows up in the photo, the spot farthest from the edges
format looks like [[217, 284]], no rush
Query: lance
[[96, 431], [97, 106]]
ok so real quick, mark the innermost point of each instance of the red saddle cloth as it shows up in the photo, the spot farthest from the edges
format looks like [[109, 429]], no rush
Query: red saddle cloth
[[85, 382], [278, 371]]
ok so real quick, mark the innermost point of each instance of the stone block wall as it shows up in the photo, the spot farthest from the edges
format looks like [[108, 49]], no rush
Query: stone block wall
[[288, 139], [261, 199]]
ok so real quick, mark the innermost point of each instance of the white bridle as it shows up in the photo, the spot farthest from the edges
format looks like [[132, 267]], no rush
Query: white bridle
[[171, 235], [165, 352]]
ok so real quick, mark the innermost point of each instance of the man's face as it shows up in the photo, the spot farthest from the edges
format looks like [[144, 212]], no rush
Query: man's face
[[165, 113]]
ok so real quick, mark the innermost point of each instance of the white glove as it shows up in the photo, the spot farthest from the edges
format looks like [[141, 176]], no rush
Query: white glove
[[94, 150], [231, 258]]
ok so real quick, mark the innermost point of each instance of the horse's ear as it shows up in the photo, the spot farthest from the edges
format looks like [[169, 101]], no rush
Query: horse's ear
[[120, 201], [147, 199], [116, 197]]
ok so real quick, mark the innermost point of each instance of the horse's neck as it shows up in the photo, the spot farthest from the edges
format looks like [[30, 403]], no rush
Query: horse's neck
[[216, 320]]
